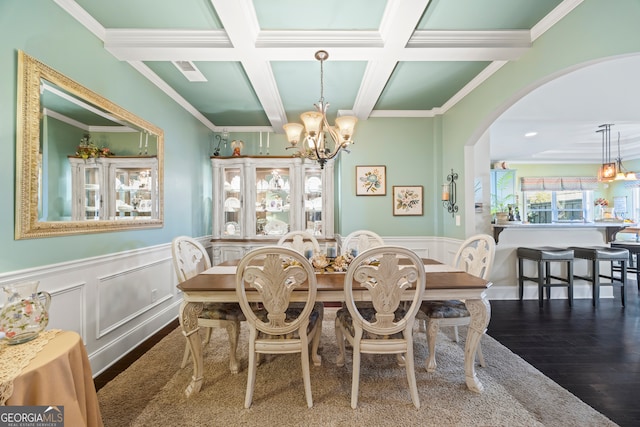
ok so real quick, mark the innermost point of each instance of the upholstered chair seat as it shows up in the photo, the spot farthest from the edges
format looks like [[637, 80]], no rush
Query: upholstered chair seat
[[189, 259], [475, 256]]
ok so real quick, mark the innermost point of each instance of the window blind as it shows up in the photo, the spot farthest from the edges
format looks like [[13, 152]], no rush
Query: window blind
[[558, 183]]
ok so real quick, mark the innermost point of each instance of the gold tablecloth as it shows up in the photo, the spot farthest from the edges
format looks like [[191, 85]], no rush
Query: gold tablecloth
[[56, 373]]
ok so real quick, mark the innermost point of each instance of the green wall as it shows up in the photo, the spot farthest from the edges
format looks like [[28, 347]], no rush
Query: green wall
[[594, 30], [406, 147], [44, 31]]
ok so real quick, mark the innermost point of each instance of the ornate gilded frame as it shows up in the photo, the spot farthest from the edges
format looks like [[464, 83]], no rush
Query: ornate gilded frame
[[30, 73]]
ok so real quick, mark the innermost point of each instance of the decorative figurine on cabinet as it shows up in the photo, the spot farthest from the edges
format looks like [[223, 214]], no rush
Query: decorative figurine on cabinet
[[237, 147]]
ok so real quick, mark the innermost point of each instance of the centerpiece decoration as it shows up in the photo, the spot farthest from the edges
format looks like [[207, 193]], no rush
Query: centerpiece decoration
[[323, 263], [88, 149]]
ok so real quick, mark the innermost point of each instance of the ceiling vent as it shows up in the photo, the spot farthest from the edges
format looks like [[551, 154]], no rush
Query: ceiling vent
[[190, 71]]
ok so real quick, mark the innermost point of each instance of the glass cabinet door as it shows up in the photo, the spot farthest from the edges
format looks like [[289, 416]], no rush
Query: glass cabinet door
[[133, 193], [313, 201], [92, 196], [273, 201], [232, 202]]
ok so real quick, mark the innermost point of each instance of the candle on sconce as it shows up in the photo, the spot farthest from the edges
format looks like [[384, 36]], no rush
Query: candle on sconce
[[260, 139], [445, 192], [141, 140], [267, 139], [146, 142]]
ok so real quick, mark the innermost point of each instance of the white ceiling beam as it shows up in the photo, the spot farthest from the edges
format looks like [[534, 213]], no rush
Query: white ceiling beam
[[215, 45], [399, 20], [241, 24]]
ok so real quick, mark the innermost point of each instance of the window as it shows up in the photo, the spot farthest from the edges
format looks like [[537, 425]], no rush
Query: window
[[545, 207]]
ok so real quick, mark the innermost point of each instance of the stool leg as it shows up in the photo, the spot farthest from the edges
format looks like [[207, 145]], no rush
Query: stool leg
[[547, 279], [623, 280], [541, 278], [570, 281], [596, 281], [520, 278]]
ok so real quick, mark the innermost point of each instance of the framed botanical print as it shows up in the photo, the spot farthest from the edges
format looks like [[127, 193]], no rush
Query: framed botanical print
[[371, 180], [407, 200]]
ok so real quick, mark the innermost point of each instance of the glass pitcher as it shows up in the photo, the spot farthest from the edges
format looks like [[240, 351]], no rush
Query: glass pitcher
[[25, 312]]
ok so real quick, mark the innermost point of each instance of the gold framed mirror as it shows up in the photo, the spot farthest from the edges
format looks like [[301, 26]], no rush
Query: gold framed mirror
[[83, 164]]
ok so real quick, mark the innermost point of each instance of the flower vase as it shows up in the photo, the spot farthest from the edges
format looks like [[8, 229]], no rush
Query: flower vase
[[599, 214]]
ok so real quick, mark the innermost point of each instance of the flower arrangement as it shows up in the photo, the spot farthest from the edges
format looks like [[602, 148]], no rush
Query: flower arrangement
[[601, 202], [322, 263], [87, 149]]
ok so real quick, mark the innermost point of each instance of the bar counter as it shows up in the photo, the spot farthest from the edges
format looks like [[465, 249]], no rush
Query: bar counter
[[609, 228], [513, 235]]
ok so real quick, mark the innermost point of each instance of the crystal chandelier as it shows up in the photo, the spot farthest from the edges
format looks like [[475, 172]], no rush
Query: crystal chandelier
[[316, 144], [612, 171]]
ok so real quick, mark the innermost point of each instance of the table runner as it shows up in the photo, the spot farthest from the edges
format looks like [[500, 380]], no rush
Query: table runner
[[14, 358]]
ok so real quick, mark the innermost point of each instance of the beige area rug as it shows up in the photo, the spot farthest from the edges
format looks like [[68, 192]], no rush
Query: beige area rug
[[151, 391]]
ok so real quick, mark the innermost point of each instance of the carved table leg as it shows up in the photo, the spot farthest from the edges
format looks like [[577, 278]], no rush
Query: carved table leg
[[480, 311], [189, 312]]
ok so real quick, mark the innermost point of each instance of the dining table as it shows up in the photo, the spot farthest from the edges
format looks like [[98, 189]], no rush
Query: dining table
[[443, 282]]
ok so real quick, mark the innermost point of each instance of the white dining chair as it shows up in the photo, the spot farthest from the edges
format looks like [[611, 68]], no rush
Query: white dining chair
[[301, 241], [475, 256], [273, 273], [189, 259], [359, 241], [386, 325]]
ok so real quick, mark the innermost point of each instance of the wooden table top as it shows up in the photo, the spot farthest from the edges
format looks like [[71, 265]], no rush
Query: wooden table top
[[335, 281]]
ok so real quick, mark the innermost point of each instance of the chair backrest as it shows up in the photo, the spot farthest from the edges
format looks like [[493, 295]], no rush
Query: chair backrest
[[360, 241], [301, 241], [273, 273], [189, 257], [388, 273], [475, 255]]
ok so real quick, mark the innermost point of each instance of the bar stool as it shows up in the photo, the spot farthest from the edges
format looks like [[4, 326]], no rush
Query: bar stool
[[544, 256], [634, 257], [607, 254]]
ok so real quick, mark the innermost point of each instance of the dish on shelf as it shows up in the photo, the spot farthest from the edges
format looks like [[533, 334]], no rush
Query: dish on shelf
[[313, 185], [232, 204], [275, 227], [144, 206], [313, 204], [235, 183], [231, 228]]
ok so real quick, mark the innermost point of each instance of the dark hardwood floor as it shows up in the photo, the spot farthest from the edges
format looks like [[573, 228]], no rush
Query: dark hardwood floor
[[592, 352]]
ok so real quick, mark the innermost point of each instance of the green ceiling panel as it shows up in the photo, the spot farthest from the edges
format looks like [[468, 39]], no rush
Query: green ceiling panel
[[319, 15], [485, 14], [150, 14], [231, 102], [299, 85], [426, 85]]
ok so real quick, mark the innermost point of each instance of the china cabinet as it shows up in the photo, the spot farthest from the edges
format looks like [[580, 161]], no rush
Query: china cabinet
[[112, 188], [258, 199]]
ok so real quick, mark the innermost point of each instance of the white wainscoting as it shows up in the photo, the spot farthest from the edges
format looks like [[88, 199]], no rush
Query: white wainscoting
[[114, 301]]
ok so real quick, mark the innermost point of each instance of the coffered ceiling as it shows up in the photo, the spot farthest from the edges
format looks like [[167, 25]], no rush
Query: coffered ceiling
[[248, 65]]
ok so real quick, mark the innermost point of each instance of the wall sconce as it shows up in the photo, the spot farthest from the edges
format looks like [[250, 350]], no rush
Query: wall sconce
[[449, 193]]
